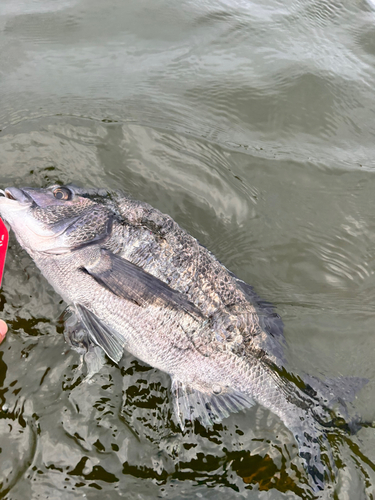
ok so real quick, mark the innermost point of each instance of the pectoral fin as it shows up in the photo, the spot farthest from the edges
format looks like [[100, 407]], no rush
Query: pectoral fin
[[207, 407], [132, 283], [108, 339]]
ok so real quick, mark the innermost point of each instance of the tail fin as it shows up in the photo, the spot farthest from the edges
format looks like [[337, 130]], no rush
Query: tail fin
[[327, 413], [312, 445]]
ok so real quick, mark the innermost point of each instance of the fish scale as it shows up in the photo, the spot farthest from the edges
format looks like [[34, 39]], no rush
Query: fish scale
[[135, 280]]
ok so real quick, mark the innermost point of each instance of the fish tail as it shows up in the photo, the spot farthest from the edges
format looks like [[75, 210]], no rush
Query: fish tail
[[315, 453], [326, 411]]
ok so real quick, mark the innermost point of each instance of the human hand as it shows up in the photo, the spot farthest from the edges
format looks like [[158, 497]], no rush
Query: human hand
[[3, 330]]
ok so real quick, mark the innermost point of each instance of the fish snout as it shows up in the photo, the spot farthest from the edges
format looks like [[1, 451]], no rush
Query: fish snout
[[15, 194]]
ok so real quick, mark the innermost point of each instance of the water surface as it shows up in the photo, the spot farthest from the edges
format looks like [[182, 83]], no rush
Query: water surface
[[253, 125]]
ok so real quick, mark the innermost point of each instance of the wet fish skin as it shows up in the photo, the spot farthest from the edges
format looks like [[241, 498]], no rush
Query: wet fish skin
[[137, 281]]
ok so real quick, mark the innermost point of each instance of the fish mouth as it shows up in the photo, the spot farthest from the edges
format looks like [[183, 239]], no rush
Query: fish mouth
[[15, 194], [6, 194]]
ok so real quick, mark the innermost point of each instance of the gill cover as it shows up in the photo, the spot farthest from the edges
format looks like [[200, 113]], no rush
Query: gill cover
[[57, 219]]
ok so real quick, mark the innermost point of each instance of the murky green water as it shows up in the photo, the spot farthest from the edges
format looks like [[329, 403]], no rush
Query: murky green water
[[253, 125]]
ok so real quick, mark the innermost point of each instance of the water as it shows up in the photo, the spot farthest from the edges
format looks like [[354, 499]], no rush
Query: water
[[253, 125]]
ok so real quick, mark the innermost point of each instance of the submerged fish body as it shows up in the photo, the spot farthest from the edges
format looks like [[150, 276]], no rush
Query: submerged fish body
[[135, 280]]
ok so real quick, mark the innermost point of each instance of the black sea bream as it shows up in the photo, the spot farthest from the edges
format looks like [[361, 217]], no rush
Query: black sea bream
[[135, 280]]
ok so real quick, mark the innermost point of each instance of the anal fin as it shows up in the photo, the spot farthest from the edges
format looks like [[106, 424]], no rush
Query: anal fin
[[207, 407]]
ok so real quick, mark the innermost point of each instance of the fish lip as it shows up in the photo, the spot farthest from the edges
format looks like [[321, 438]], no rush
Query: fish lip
[[17, 195]]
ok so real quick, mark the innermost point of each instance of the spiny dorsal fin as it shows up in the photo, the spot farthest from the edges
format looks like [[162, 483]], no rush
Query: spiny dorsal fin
[[207, 407]]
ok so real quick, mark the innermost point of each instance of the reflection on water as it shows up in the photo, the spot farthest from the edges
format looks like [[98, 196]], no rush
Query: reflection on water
[[252, 124]]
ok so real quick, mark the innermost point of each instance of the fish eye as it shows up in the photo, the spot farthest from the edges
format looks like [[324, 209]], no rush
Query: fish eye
[[62, 193]]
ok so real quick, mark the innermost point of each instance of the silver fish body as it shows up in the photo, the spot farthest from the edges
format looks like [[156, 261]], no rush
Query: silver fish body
[[135, 280]]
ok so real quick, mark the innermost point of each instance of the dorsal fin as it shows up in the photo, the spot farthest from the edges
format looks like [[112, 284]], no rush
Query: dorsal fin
[[273, 342]]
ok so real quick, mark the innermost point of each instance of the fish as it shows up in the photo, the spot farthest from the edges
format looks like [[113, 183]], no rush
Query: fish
[[134, 280]]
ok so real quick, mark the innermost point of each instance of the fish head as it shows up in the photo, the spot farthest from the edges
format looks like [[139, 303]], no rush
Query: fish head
[[57, 219]]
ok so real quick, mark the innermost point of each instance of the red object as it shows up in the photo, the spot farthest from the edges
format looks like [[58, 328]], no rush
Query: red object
[[4, 237]]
